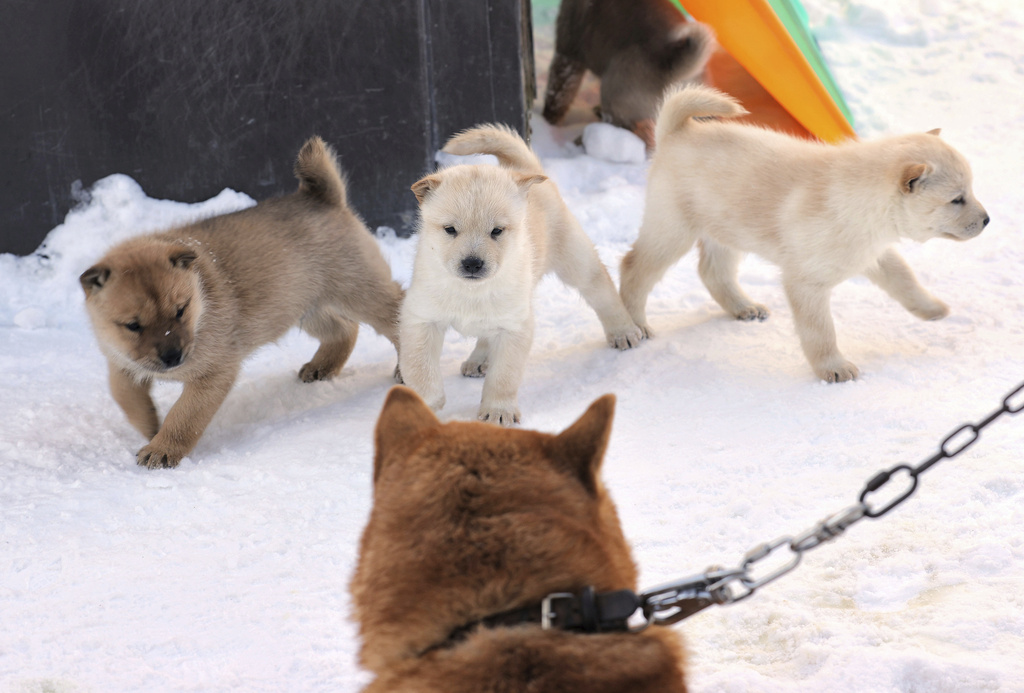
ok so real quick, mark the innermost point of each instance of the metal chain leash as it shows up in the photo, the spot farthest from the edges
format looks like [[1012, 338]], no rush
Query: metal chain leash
[[674, 601]]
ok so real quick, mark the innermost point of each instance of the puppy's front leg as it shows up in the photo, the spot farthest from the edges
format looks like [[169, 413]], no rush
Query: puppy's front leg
[[187, 419], [133, 398], [419, 359], [894, 276], [813, 318], [508, 353]]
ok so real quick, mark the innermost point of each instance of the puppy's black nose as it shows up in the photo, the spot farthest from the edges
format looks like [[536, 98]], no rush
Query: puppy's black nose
[[985, 223], [472, 264], [171, 357]]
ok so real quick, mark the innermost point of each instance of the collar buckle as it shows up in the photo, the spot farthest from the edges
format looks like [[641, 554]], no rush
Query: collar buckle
[[548, 615]]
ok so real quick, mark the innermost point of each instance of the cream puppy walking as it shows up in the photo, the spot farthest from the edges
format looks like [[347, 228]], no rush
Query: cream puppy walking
[[822, 213], [488, 234]]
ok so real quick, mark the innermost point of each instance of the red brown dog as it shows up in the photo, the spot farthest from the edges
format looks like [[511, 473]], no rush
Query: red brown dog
[[472, 527]]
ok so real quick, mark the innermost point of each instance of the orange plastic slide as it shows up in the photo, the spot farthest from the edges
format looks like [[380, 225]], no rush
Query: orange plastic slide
[[768, 67]]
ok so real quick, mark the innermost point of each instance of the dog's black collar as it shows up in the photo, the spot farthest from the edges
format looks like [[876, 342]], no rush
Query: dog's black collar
[[585, 611]]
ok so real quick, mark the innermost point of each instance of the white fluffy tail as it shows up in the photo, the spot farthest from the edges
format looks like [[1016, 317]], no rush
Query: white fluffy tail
[[498, 140], [693, 101]]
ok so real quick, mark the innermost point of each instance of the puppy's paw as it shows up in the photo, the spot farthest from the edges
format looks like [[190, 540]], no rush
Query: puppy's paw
[[754, 311], [838, 371], [155, 457], [627, 339], [936, 310], [503, 416], [312, 372], [474, 369]]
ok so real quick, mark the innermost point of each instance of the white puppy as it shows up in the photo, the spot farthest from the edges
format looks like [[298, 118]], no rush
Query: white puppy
[[822, 213], [488, 234]]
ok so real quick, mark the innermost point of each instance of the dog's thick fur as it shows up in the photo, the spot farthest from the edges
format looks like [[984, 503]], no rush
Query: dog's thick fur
[[189, 304], [488, 234], [637, 48], [469, 520], [822, 213]]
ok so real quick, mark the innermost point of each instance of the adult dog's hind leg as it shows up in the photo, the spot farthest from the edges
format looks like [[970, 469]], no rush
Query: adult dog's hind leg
[[564, 78]]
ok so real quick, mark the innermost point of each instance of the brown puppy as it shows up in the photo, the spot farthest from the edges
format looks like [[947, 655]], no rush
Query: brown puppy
[[471, 520], [191, 303], [637, 48]]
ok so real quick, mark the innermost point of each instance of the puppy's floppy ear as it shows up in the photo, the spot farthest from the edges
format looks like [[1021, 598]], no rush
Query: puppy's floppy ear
[[935, 132], [183, 258], [404, 417], [911, 177], [94, 278], [580, 448], [424, 186], [525, 180]]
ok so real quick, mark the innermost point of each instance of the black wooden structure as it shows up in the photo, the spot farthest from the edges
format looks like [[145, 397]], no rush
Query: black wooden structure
[[192, 96]]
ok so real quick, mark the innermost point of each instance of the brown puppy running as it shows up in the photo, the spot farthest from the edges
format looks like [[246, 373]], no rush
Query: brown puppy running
[[637, 47], [470, 521], [189, 304]]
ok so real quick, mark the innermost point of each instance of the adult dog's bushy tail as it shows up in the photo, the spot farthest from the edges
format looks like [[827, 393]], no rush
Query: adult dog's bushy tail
[[693, 101], [498, 140], [316, 167]]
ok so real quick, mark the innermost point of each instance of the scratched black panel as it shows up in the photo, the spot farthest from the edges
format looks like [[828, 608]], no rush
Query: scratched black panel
[[471, 44], [192, 96]]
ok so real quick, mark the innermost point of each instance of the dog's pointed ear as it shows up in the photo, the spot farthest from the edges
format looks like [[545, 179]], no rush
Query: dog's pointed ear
[[581, 447], [936, 132], [403, 418], [525, 180], [183, 258], [424, 186], [94, 278], [911, 177]]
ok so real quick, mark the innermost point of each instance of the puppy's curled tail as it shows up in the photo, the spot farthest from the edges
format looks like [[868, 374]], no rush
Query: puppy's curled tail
[[498, 140], [316, 167], [693, 101]]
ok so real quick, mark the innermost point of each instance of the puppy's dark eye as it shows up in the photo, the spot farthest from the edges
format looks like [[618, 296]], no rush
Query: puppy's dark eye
[[958, 201], [181, 311], [450, 230], [133, 326], [495, 232]]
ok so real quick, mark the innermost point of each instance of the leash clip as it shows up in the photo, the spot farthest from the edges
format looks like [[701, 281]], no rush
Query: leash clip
[[672, 602]]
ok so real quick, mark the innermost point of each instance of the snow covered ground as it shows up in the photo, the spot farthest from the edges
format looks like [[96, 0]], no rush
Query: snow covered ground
[[231, 572]]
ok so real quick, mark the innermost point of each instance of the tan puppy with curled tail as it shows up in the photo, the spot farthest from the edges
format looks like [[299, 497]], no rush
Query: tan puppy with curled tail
[[189, 304]]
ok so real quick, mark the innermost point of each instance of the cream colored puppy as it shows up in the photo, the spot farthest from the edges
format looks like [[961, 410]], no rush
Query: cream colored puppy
[[822, 213], [488, 234]]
